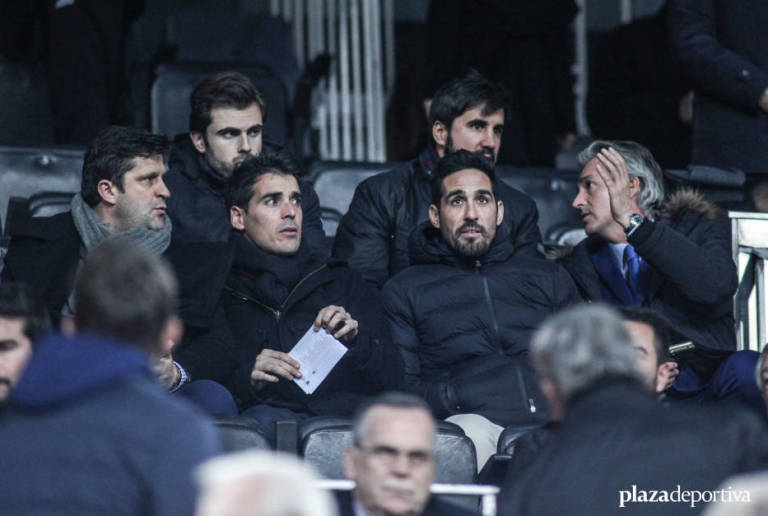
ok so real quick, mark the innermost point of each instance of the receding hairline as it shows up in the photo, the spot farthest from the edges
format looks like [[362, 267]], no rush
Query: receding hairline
[[365, 422]]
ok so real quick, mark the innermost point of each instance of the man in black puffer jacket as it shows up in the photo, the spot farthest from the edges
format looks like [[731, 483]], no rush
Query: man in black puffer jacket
[[466, 113], [463, 313], [266, 292]]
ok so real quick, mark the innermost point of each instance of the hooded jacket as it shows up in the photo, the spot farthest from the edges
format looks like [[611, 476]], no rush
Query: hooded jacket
[[89, 431], [463, 326], [692, 277], [373, 235]]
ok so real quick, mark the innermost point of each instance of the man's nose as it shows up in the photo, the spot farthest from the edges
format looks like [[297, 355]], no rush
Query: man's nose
[[245, 143], [162, 189], [289, 210], [401, 466], [578, 201], [471, 211]]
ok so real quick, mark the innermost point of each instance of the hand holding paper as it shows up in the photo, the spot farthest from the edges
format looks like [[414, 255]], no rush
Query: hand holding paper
[[270, 364], [317, 352], [337, 321]]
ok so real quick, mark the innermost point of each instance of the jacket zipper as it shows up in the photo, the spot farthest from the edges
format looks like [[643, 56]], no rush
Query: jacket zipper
[[527, 401], [276, 312]]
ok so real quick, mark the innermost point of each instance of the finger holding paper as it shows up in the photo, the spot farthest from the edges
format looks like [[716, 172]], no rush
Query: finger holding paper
[[272, 365], [338, 321]]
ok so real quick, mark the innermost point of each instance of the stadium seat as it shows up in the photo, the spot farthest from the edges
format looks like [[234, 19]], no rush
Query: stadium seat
[[323, 441], [25, 171], [242, 38], [240, 433], [335, 184], [174, 83]]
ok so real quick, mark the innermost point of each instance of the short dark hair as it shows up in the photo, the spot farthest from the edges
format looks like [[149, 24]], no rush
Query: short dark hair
[[126, 292], [19, 301], [110, 155], [386, 399], [225, 89], [459, 95], [249, 171], [659, 325], [454, 162]]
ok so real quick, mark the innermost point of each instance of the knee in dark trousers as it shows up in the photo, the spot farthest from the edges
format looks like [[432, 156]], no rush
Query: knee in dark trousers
[[212, 397], [734, 380]]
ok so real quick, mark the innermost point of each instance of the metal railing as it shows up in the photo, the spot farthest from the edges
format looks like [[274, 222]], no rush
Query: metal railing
[[350, 106], [749, 245], [487, 494]]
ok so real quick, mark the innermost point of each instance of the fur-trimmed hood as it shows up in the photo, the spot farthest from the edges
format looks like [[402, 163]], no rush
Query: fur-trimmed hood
[[689, 199], [680, 201]]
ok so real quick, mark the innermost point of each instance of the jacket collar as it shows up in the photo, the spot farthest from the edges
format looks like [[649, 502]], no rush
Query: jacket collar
[[426, 246]]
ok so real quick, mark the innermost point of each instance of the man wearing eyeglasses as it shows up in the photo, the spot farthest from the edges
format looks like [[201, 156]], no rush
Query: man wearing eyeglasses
[[392, 460]]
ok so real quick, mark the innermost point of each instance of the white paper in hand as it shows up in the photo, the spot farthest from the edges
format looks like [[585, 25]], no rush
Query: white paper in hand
[[317, 352]]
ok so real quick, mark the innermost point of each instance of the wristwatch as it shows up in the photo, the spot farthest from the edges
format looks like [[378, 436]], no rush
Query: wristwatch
[[634, 220]]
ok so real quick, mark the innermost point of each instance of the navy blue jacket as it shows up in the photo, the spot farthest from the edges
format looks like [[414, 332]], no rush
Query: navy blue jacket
[[692, 276], [89, 430], [723, 46]]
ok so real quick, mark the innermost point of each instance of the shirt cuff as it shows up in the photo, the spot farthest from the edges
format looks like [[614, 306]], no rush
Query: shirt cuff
[[183, 377]]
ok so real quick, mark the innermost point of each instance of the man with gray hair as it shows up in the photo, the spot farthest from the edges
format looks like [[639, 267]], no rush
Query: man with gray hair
[[392, 460], [261, 483], [617, 448], [669, 254]]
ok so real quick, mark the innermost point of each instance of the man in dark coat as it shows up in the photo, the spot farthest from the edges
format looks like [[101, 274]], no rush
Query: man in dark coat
[[463, 313], [225, 124], [723, 46], [392, 460], [269, 290], [673, 256], [88, 429], [466, 113], [122, 196], [617, 447]]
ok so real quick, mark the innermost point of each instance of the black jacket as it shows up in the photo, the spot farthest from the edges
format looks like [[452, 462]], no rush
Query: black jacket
[[692, 276], [197, 205], [723, 46], [228, 326], [463, 326], [44, 254], [616, 436], [373, 235]]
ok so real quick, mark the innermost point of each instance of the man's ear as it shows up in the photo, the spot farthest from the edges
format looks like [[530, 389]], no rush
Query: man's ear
[[237, 218], [171, 335], [635, 186], [198, 141], [556, 403], [434, 216], [440, 135], [499, 212], [108, 191]]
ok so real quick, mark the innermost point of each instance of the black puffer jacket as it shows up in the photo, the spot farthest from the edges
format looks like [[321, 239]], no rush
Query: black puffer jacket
[[197, 205], [463, 327], [373, 235], [224, 349]]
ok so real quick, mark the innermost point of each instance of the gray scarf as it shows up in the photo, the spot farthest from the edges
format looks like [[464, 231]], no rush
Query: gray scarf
[[94, 232]]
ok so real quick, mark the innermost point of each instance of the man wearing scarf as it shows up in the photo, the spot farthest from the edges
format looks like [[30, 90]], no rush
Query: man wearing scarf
[[122, 198], [268, 288]]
